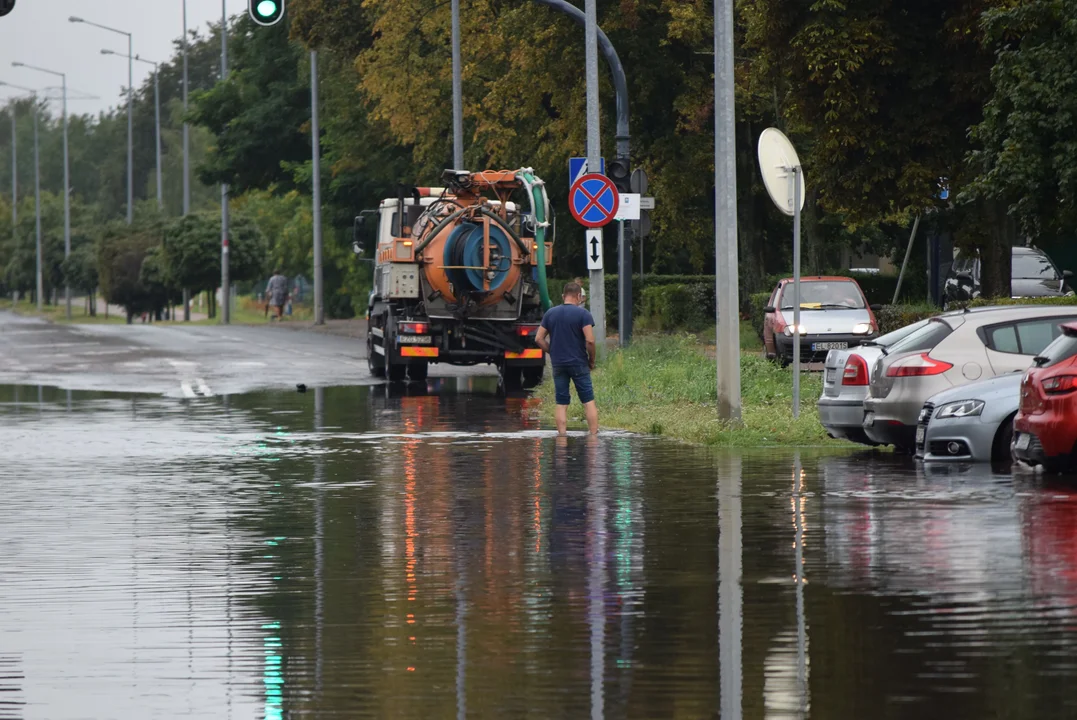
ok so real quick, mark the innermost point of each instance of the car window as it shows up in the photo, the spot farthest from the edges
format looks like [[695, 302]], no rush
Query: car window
[[825, 294], [1063, 348], [923, 339], [964, 266], [1003, 339], [1033, 266], [774, 297], [891, 338], [1036, 335]]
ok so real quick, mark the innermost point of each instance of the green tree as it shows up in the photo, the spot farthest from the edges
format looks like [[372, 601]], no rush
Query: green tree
[[121, 251]]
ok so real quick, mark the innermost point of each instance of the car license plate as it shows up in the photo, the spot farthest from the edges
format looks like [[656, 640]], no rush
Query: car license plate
[[820, 346], [1023, 441], [414, 339], [921, 434], [869, 419], [831, 376]]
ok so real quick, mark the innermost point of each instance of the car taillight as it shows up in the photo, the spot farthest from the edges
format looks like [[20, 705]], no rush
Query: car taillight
[[917, 366], [1060, 385], [856, 371], [414, 328]]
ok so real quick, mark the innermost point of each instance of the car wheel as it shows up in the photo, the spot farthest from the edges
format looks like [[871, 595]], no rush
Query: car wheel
[[784, 360], [1003, 446]]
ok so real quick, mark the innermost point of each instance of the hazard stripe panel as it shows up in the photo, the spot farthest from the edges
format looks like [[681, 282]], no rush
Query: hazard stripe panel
[[418, 352], [532, 354]]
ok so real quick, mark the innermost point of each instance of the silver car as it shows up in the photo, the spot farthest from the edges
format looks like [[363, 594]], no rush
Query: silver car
[[846, 375], [971, 423], [952, 350]]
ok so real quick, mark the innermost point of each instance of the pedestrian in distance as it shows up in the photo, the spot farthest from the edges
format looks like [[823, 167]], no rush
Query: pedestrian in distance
[[277, 293], [567, 334]]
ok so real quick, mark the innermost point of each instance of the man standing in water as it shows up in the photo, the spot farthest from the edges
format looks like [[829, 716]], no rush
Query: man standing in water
[[567, 334], [277, 292]]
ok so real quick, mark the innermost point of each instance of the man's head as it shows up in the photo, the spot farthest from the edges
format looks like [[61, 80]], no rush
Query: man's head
[[572, 293], [276, 271]]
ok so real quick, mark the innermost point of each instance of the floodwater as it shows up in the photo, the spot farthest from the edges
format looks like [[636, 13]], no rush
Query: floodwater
[[349, 553]]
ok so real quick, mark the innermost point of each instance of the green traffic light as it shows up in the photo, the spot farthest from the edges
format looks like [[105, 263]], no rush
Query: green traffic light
[[267, 8]]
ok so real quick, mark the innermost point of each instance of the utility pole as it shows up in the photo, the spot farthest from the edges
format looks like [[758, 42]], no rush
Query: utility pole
[[186, 158], [226, 315], [457, 92], [14, 177], [594, 163], [319, 305], [37, 208], [725, 217]]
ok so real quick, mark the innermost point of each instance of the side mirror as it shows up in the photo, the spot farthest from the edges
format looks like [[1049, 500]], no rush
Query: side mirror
[[876, 307], [769, 309], [357, 240], [1067, 274]]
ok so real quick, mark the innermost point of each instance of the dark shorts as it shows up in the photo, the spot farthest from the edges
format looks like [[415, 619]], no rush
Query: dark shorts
[[580, 375]]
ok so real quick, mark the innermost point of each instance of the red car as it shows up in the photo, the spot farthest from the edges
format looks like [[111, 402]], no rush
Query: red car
[[834, 315], [1045, 429]]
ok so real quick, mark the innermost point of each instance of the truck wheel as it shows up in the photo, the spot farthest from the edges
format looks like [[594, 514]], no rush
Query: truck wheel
[[511, 377], [374, 362], [418, 372], [397, 372], [533, 376]]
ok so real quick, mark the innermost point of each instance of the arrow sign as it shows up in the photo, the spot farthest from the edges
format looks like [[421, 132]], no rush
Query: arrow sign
[[594, 249]]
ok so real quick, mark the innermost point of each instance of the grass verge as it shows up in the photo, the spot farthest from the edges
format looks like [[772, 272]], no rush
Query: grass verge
[[58, 313], [665, 385]]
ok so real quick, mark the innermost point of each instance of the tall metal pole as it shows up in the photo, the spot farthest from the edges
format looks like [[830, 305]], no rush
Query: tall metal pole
[[457, 92], [37, 209], [157, 112], [730, 589], [594, 163], [319, 306], [186, 157], [130, 129], [226, 315], [67, 203], [796, 291], [14, 176], [725, 217]]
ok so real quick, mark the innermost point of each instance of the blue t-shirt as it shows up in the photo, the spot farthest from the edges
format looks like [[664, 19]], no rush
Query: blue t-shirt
[[565, 324]]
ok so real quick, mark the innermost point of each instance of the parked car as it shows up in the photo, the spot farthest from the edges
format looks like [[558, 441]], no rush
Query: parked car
[[970, 423], [846, 375], [1032, 274], [834, 315], [951, 350], [1045, 430]]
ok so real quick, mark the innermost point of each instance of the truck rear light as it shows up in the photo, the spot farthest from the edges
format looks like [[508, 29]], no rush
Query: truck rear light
[[526, 330], [856, 371], [414, 328], [1060, 385], [917, 366]]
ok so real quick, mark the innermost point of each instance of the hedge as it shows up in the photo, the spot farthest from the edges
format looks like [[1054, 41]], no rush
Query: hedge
[[986, 302], [638, 288], [894, 317], [757, 303], [681, 306]]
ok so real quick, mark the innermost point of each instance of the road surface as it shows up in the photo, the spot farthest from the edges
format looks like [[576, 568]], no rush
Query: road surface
[[182, 360]]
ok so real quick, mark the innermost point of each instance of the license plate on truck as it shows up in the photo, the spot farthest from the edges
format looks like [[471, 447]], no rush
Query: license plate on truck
[[415, 339], [820, 346]]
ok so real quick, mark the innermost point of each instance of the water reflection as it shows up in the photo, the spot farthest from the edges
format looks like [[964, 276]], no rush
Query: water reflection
[[437, 552]]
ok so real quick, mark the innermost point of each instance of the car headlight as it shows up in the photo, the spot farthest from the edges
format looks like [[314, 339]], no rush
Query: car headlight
[[789, 330], [861, 329], [961, 409]]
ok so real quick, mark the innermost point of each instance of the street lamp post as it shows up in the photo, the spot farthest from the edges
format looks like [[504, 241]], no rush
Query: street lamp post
[[67, 177], [226, 280], [130, 100], [186, 157], [157, 116]]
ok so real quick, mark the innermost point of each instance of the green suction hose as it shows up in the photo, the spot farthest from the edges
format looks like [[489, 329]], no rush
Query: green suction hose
[[540, 208]]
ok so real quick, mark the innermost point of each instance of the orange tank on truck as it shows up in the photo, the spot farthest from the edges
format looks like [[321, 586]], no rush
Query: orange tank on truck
[[459, 275]]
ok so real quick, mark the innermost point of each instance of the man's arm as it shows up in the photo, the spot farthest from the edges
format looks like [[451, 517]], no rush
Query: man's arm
[[542, 339], [589, 336]]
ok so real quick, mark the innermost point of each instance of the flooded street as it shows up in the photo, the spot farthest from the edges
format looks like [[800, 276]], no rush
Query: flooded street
[[348, 552]]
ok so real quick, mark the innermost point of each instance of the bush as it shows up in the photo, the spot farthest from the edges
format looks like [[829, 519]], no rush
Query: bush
[[893, 317], [757, 303], [683, 306], [987, 302]]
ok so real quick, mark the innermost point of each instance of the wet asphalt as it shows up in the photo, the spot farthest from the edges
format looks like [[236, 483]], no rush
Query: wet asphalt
[[363, 551]]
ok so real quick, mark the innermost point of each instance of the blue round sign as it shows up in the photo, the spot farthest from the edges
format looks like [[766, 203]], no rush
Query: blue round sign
[[593, 200]]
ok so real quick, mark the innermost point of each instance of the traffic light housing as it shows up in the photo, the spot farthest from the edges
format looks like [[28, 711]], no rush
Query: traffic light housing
[[620, 172], [266, 12]]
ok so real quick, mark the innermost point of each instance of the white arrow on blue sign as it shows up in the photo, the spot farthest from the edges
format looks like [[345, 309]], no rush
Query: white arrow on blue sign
[[577, 168]]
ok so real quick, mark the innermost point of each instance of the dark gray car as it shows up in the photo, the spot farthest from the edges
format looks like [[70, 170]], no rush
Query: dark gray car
[[1032, 274]]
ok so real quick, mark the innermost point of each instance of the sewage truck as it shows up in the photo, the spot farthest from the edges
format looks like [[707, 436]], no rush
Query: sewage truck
[[459, 275]]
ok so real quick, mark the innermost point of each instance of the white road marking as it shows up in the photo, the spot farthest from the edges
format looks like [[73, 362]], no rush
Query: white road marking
[[203, 388], [187, 390]]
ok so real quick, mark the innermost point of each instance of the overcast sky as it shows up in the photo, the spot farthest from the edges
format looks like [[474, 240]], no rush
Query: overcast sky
[[37, 32]]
